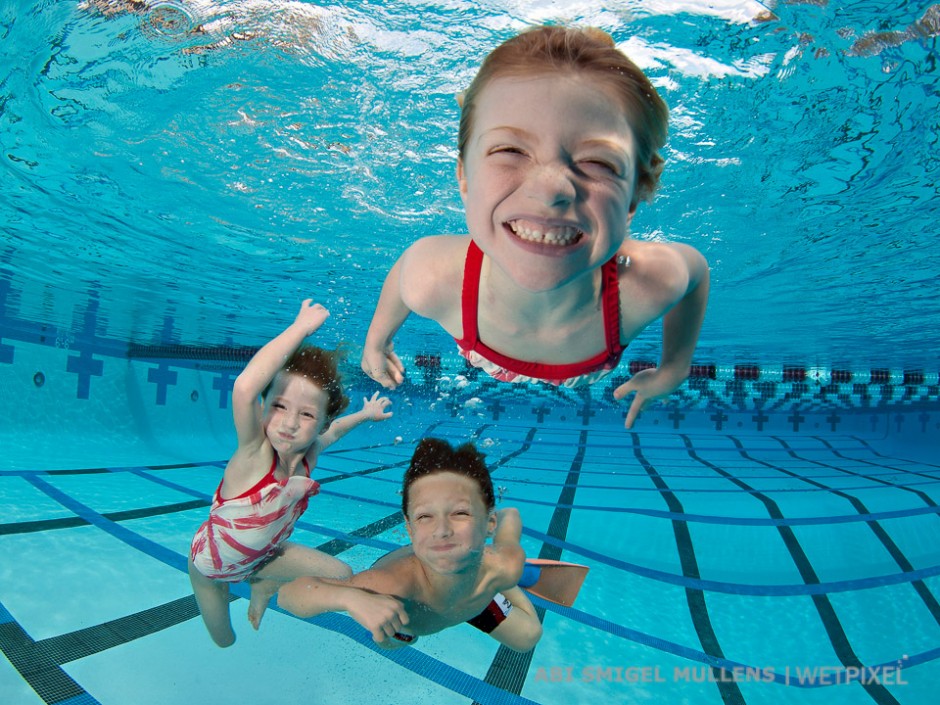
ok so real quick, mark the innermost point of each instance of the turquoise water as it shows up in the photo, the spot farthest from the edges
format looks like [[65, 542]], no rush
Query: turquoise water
[[175, 177]]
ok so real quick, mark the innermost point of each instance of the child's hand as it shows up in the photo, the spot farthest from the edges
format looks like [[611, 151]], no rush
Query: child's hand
[[383, 366], [382, 615], [311, 316], [650, 384], [375, 408]]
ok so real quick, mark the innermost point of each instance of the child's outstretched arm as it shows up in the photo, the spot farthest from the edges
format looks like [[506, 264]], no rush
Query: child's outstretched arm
[[382, 615], [681, 326], [261, 369], [379, 360], [374, 409], [426, 279]]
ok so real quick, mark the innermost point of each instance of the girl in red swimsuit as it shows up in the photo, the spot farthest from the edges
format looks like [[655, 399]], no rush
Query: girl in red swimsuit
[[559, 142], [266, 484]]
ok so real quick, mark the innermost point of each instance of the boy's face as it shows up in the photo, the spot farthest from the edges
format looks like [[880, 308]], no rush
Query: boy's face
[[294, 413], [548, 176], [448, 522]]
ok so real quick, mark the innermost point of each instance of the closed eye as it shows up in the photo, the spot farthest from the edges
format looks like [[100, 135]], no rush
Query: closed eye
[[598, 167], [506, 149]]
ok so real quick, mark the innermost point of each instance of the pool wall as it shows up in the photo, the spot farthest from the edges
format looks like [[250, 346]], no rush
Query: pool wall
[[77, 394]]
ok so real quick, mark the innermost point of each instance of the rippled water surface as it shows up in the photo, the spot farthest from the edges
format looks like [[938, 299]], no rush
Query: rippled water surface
[[215, 162]]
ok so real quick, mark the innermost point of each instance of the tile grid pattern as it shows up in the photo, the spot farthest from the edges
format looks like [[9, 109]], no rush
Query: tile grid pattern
[[39, 663]]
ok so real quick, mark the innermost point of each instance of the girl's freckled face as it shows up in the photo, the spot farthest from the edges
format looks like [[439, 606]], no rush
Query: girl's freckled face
[[548, 177], [294, 413]]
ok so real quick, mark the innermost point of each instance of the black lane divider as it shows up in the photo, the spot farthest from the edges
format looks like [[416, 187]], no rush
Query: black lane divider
[[698, 609], [509, 668], [891, 469], [24, 527], [923, 591], [830, 620], [39, 662], [867, 446]]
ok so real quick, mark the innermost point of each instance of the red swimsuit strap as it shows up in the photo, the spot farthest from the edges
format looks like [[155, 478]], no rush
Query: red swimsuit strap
[[610, 300], [610, 304], [260, 484], [473, 266]]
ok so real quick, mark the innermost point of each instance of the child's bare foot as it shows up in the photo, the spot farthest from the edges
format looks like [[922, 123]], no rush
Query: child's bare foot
[[261, 593]]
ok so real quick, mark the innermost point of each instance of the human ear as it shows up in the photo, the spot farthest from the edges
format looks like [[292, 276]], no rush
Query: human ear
[[462, 180], [491, 523], [631, 214]]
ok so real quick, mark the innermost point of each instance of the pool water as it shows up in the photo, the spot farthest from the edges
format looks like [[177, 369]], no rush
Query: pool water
[[175, 177], [733, 564]]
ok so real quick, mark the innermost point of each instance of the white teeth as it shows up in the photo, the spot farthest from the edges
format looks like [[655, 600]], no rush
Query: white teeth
[[562, 235]]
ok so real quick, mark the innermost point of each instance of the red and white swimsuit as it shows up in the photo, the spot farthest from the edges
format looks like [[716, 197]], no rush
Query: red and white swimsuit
[[245, 531], [507, 369]]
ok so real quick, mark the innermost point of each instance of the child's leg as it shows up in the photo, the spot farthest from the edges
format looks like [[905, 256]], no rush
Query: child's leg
[[292, 561], [212, 598]]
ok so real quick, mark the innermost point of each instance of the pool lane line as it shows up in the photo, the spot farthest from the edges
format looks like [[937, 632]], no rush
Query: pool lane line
[[672, 578], [749, 589], [901, 560], [69, 522], [695, 597], [824, 608], [867, 446], [907, 661], [509, 668], [839, 454], [417, 662], [655, 642], [47, 679], [364, 539]]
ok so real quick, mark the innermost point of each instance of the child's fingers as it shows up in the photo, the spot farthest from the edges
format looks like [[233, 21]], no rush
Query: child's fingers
[[636, 407]]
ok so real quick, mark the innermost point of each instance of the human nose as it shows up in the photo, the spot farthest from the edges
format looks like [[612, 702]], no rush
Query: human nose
[[443, 528], [551, 184]]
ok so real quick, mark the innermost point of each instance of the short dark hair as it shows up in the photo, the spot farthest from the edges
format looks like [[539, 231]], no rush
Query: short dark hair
[[322, 368], [434, 455]]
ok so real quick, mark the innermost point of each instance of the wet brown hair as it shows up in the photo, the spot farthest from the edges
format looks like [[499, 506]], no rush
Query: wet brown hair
[[434, 455], [322, 368], [585, 51]]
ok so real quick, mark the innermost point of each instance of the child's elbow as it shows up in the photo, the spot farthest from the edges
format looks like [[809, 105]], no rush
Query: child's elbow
[[528, 637], [243, 391]]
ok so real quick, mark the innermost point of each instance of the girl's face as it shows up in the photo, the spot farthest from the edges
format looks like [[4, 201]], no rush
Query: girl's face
[[294, 413], [547, 177], [448, 522]]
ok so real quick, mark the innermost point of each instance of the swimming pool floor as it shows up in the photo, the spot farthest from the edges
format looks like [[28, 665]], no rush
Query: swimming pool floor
[[724, 569]]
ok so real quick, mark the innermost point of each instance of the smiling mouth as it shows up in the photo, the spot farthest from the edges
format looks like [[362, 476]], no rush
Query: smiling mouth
[[558, 236]]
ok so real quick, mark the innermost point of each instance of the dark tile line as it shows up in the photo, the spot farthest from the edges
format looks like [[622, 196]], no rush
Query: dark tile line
[[43, 675], [24, 527], [509, 668], [827, 614], [698, 608], [39, 662], [902, 561]]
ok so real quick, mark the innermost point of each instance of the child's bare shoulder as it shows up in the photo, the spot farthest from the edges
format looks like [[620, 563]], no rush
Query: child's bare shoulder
[[661, 269], [503, 566], [431, 275]]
